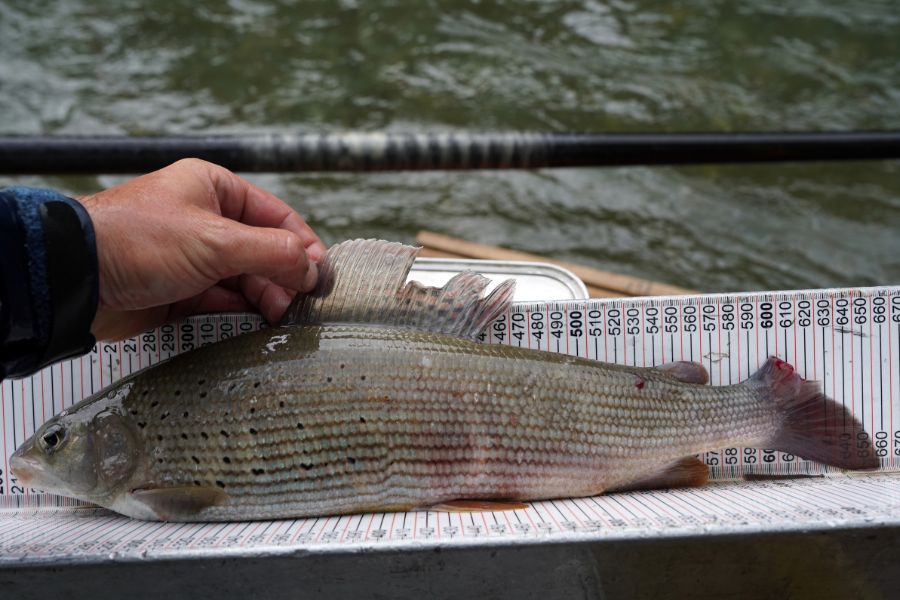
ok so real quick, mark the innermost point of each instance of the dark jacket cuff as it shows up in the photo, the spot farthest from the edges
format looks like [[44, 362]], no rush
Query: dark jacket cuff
[[49, 279]]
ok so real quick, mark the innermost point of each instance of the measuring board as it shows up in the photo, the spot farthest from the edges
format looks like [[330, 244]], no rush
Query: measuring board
[[848, 339]]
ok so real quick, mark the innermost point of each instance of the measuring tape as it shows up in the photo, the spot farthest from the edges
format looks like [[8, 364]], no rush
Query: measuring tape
[[847, 339]]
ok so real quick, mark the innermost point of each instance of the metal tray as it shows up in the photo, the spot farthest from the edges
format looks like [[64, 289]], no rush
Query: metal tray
[[534, 280]]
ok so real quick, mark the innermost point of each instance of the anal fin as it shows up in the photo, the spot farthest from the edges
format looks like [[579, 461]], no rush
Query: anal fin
[[476, 506], [686, 472], [178, 503]]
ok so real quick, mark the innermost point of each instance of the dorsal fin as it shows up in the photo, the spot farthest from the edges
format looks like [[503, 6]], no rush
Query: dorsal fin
[[361, 281]]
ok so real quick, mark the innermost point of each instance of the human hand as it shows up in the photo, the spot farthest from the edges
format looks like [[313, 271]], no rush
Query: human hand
[[195, 238]]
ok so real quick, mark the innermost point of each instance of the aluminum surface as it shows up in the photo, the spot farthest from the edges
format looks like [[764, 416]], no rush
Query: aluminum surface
[[87, 535], [534, 281]]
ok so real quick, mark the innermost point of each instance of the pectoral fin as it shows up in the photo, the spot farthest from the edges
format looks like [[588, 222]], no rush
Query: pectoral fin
[[688, 372], [686, 472], [178, 503], [476, 506]]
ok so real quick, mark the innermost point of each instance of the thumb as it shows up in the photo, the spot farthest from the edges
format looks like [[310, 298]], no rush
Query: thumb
[[277, 254]]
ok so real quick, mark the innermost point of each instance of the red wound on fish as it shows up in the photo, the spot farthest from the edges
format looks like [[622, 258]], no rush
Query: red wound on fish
[[780, 378], [812, 425], [639, 381]]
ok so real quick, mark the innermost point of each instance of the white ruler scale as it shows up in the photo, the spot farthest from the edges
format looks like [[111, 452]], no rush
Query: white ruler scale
[[848, 339]]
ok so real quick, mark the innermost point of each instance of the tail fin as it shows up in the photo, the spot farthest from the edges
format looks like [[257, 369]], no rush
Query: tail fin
[[812, 425]]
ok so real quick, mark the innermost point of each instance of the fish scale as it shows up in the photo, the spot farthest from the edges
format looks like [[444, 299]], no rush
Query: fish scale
[[365, 393]]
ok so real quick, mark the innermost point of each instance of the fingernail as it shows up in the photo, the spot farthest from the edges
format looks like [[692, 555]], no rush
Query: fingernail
[[315, 253], [309, 281], [280, 301]]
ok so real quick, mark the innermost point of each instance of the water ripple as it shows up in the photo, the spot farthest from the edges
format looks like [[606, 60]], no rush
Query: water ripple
[[572, 65]]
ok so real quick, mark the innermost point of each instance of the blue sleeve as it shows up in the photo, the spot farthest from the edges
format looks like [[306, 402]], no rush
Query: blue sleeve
[[49, 281]]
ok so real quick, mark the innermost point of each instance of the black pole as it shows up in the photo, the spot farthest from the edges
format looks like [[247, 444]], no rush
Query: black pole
[[399, 151]]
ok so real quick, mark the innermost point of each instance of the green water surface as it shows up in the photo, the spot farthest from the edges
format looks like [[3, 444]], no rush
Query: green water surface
[[182, 67]]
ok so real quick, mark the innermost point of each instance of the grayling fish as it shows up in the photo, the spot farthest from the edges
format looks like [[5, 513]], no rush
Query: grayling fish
[[374, 397]]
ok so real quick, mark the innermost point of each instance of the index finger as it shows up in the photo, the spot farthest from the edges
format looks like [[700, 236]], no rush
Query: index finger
[[242, 201]]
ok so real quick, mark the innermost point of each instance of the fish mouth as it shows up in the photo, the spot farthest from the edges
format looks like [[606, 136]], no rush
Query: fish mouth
[[24, 468]]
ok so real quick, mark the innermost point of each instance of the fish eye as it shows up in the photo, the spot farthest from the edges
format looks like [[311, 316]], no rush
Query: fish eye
[[52, 439]]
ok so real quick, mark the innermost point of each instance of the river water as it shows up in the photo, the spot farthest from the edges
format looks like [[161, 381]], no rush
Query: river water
[[189, 66]]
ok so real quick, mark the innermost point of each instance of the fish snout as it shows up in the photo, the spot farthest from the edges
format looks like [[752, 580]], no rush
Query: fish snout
[[25, 468]]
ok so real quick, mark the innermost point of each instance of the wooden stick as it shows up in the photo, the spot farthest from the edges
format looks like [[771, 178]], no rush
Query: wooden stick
[[427, 252], [615, 282], [595, 292]]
